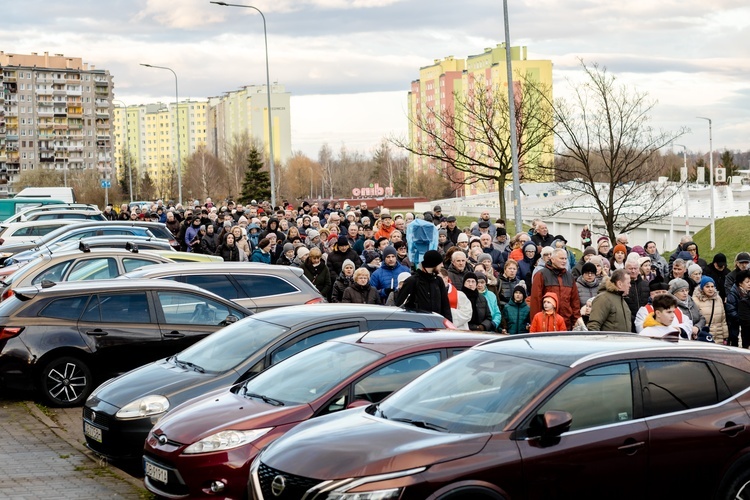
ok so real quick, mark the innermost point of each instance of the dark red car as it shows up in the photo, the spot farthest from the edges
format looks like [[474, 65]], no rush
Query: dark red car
[[204, 448], [540, 416]]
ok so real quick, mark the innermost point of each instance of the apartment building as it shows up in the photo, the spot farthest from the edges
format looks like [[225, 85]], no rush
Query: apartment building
[[57, 114]]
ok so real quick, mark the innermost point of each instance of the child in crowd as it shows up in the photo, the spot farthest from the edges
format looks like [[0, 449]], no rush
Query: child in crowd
[[516, 313], [547, 320], [659, 322]]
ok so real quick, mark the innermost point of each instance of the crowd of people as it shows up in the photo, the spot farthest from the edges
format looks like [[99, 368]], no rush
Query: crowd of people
[[478, 277]]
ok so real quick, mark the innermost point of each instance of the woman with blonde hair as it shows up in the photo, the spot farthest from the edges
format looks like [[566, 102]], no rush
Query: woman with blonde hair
[[360, 291]]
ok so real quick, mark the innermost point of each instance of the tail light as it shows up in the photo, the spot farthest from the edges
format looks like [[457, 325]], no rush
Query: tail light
[[6, 294], [8, 332], [448, 324], [316, 300]]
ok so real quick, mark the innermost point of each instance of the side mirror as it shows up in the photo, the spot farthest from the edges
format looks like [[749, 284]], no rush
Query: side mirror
[[229, 320], [555, 423]]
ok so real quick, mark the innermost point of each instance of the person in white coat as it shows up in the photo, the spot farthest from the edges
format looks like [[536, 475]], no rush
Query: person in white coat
[[461, 309]]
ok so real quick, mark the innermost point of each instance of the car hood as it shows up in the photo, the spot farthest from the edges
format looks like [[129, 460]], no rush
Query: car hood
[[219, 411], [162, 377], [355, 444]]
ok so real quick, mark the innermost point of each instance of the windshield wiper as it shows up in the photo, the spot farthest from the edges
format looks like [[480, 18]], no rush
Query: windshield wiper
[[265, 399], [188, 364], [421, 423]]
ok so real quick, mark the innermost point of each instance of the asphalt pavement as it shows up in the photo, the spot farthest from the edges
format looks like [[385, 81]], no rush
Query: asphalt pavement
[[43, 457]]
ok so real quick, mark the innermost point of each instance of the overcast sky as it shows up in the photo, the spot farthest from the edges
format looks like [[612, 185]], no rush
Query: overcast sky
[[349, 63]]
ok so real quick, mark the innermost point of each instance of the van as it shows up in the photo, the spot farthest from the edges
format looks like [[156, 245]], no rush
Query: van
[[12, 206], [65, 194]]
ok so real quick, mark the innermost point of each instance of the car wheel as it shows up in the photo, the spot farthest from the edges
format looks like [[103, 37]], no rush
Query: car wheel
[[66, 381], [737, 484]]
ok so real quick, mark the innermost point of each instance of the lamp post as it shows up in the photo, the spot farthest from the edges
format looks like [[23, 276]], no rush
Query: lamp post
[[268, 90], [711, 179], [177, 112], [127, 147], [687, 193], [512, 121]]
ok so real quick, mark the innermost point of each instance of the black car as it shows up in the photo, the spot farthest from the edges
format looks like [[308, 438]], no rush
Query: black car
[[63, 338], [120, 413]]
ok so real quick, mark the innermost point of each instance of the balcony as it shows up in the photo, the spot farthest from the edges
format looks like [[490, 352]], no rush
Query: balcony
[[45, 103], [100, 82], [60, 126], [9, 78], [60, 81], [11, 137], [44, 92], [76, 159], [74, 92]]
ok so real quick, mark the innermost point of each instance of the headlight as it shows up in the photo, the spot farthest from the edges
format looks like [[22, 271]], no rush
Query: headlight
[[225, 440], [367, 495], [144, 407]]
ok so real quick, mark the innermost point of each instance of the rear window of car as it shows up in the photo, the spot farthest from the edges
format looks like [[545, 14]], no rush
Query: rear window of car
[[65, 308], [737, 380], [217, 283], [264, 285], [677, 385]]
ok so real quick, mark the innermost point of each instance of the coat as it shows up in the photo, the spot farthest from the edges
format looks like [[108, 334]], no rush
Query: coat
[[610, 311], [505, 289], [481, 317], [713, 310], [425, 292], [385, 279], [516, 317], [690, 310], [319, 276], [637, 297], [260, 256], [358, 294], [341, 284], [544, 322], [587, 290], [560, 282]]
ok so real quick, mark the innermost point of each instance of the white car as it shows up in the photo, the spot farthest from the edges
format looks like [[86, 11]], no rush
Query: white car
[[21, 232], [24, 214]]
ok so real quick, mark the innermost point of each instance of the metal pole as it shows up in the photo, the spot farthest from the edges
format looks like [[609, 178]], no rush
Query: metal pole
[[513, 133], [268, 89], [711, 180], [687, 193], [177, 112]]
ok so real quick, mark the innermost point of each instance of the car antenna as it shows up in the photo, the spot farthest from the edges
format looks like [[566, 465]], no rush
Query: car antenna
[[398, 309]]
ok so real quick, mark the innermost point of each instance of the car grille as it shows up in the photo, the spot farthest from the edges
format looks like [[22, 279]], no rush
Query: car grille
[[296, 486], [98, 418]]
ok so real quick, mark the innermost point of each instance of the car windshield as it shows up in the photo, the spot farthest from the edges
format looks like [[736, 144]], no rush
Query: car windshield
[[230, 346], [477, 391], [309, 374]]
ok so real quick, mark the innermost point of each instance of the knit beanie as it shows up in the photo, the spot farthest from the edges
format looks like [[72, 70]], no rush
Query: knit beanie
[[302, 251], [692, 268], [588, 267], [347, 262], [589, 251], [432, 258], [520, 288], [706, 280], [620, 248], [389, 250], [288, 247], [677, 284]]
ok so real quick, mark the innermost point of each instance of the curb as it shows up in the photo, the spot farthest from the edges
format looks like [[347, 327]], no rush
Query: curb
[[79, 447]]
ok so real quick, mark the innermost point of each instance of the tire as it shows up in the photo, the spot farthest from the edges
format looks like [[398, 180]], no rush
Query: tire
[[66, 382], [737, 485]]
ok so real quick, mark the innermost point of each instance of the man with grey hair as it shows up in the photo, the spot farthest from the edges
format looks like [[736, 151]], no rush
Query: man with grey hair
[[458, 269], [554, 277]]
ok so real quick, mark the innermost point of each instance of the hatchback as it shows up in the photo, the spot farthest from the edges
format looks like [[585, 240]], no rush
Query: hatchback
[[124, 409], [535, 416], [59, 339], [205, 446]]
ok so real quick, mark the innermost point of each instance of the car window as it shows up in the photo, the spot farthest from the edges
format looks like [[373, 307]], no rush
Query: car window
[[131, 263], [182, 308], [53, 273], [394, 376], [66, 308], [94, 269], [264, 285], [678, 385], [219, 284], [41, 230], [596, 397], [118, 308], [736, 379], [315, 339], [78, 236]]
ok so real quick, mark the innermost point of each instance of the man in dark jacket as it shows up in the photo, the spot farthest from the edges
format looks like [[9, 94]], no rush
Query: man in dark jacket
[[717, 270], [451, 229], [542, 238], [425, 289], [458, 269], [340, 252], [609, 311], [554, 278], [638, 294]]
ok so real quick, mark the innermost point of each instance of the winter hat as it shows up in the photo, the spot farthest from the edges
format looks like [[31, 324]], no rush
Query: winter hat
[[312, 234], [442, 232], [302, 251], [501, 231], [588, 267], [589, 251], [639, 250], [202, 228], [484, 256], [471, 276], [520, 288], [706, 280], [347, 262], [602, 239], [720, 258], [480, 276], [643, 260], [657, 284], [242, 219], [389, 250], [402, 277], [685, 255], [288, 247], [529, 244], [633, 256], [432, 258], [371, 255], [620, 248], [677, 284], [463, 237], [693, 268], [342, 241]]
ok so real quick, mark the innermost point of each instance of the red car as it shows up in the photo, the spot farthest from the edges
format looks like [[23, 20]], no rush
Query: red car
[[204, 448]]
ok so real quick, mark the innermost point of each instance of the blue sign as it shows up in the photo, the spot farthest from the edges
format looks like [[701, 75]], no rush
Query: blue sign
[[106, 184]]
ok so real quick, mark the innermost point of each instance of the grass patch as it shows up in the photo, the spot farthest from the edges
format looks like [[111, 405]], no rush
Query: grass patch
[[48, 412], [731, 238]]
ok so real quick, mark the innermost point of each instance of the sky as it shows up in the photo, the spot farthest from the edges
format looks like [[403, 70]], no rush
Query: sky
[[349, 63]]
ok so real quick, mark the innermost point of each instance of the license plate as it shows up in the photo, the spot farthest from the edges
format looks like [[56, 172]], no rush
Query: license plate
[[94, 433], [157, 473]]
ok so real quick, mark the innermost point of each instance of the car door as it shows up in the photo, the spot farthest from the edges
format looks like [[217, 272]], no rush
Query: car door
[[695, 426], [121, 329], [605, 452]]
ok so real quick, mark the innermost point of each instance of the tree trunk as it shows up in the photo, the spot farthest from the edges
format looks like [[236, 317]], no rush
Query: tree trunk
[[501, 195]]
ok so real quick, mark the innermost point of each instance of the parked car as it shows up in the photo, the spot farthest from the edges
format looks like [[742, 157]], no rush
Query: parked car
[[66, 214], [189, 257], [232, 355], [210, 441], [22, 232], [62, 339], [26, 212], [258, 287], [535, 416]]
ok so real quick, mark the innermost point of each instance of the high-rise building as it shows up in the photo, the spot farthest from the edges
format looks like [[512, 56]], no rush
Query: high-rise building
[[58, 115], [439, 84], [245, 111]]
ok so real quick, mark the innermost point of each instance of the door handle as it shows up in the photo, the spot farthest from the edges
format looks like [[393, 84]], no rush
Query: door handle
[[174, 335], [98, 332], [732, 429], [631, 446]]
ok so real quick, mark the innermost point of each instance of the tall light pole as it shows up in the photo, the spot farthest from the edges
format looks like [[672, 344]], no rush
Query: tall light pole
[[687, 193], [177, 112], [711, 179], [127, 147], [268, 90], [512, 121]]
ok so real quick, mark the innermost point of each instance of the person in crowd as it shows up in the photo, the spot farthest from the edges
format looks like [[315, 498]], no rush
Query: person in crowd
[[402, 254], [461, 309], [585, 237], [637, 294], [711, 306], [195, 245], [717, 270], [547, 319], [272, 227], [619, 254], [481, 317], [227, 250], [458, 269], [528, 262], [545, 257], [738, 325], [360, 291], [588, 282], [253, 234], [262, 254], [210, 241], [340, 252], [741, 263], [656, 287], [603, 247], [424, 290], [490, 298], [484, 265], [463, 243], [645, 270], [501, 243], [443, 242], [372, 261], [190, 233], [507, 282], [690, 312], [385, 279], [561, 242], [386, 225], [609, 310], [391, 300], [498, 261], [287, 255], [661, 321], [691, 248], [541, 237], [588, 253], [516, 313], [658, 263], [679, 269], [694, 275], [302, 253], [317, 272], [240, 240], [452, 231], [173, 224], [555, 278]]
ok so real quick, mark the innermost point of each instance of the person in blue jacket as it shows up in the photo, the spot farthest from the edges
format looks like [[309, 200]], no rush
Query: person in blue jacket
[[385, 278]]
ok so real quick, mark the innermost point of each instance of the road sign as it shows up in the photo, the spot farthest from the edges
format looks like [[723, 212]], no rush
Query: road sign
[[106, 184]]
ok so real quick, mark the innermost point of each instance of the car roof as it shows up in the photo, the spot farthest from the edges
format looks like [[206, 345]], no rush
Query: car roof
[[99, 251], [290, 316], [396, 339], [32, 223], [218, 267], [111, 284], [572, 348]]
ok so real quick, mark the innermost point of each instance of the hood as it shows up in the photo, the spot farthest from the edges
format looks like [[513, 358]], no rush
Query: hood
[[354, 444], [553, 296], [222, 410]]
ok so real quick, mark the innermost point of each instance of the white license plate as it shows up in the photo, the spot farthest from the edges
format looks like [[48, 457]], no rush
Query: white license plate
[[94, 433], [157, 473]]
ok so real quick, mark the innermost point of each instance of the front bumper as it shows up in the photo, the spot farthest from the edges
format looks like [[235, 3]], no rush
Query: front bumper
[[120, 439]]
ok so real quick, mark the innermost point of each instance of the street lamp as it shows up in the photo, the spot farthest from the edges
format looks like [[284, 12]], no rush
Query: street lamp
[[177, 112], [268, 90], [687, 193], [127, 147], [711, 179], [512, 121]]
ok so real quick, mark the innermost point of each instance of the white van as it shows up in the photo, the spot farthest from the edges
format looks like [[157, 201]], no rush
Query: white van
[[58, 193]]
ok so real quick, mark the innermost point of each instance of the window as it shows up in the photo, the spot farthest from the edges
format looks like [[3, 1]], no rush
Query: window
[[118, 308], [736, 379], [65, 308], [93, 269], [53, 273], [129, 263], [216, 283], [264, 286], [298, 344], [597, 397], [672, 386], [188, 309], [394, 376]]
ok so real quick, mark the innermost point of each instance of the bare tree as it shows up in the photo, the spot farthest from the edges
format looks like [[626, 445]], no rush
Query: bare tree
[[301, 177], [204, 174], [471, 141], [608, 154], [328, 165]]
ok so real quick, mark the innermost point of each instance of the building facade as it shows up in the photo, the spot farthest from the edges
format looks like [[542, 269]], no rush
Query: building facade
[[440, 84], [57, 114]]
